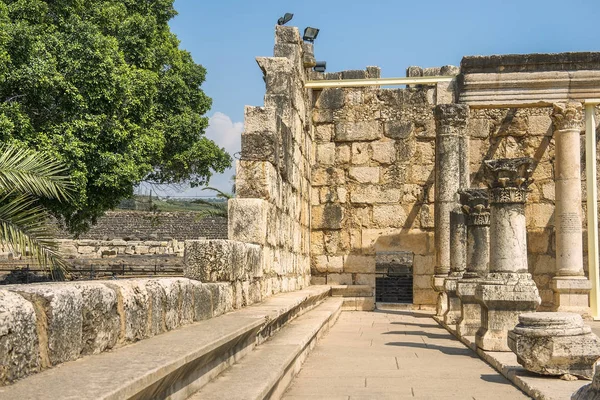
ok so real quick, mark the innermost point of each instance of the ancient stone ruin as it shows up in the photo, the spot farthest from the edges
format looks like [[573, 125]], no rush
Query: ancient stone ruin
[[461, 195]]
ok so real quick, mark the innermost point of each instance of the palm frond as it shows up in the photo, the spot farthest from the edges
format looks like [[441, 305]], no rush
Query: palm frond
[[24, 228], [27, 171], [220, 193]]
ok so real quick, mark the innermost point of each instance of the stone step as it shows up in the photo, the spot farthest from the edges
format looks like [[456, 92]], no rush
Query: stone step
[[175, 364], [268, 370], [356, 297]]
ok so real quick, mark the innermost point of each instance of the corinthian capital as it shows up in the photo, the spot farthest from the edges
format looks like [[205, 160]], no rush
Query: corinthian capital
[[451, 115], [567, 115]]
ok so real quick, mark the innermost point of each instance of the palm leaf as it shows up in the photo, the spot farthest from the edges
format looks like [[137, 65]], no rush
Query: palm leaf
[[24, 227], [27, 171]]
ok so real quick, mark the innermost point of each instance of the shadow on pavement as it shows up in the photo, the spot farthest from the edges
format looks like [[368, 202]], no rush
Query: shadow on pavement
[[421, 333], [446, 350]]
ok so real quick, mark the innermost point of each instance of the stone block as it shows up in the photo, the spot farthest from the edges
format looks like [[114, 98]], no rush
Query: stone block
[[339, 279], [278, 73], [287, 34], [342, 154], [424, 297], [383, 152], [100, 318], [133, 308], [256, 179], [324, 133], [397, 240], [327, 216], [398, 129], [329, 176], [323, 264], [371, 194], [424, 264], [359, 263], [325, 154], [357, 131], [364, 174], [222, 297], [551, 343], [389, 216], [220, 260], [478, 128], [360, 153], [248, 220], [19, 342], [539, 125], [365, 279], [332, 99], [59, 310]]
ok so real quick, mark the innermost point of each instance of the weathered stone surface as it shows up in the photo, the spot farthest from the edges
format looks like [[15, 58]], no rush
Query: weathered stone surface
[[19, 341], [503, 297], [351, 131], [133, 308], [590, 391], [203, 303], [551, 343], [100, 318], [248, 220], [328, 216], [61, 307], [331, 99], [222, 260], [374, 194], [398, 129], [364, 174], [222, 297]]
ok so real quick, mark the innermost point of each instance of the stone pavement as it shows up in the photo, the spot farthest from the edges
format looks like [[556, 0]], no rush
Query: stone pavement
[[395, 355]]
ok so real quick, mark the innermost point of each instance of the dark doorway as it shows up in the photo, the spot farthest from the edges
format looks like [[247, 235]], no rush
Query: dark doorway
[[394, 279]]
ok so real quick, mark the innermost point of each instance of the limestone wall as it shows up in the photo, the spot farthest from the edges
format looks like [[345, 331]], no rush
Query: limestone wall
[[42, 325], [373, 181], [269, 217], [512, 132]]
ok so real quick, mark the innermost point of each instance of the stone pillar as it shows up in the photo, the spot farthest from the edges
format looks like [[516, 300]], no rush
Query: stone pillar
[[451, 173], [571, 287], [477, 212], [458, 262], [508, 289]]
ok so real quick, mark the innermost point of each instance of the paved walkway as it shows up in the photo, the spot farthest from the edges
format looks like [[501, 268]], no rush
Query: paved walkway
[[395, 355]]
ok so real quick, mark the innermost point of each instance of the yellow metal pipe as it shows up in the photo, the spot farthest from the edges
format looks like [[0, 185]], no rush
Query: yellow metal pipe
[[341, 83]]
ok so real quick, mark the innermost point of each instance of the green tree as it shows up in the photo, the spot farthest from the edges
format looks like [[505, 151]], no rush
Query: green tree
[[26, 176], [103, 87]]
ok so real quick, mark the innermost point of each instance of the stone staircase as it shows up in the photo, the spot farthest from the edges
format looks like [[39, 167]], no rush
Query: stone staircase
[[252, 353]]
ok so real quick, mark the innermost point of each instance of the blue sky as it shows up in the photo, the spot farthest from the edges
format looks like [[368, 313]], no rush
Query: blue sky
[[225, 36]]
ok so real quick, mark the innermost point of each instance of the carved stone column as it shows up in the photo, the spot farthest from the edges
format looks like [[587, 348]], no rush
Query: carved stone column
[[508, 289], [451, 174], [571, 287], [458, 262], [477, 212]]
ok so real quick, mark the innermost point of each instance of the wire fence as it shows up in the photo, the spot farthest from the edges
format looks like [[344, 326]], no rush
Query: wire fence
[[31, 273]]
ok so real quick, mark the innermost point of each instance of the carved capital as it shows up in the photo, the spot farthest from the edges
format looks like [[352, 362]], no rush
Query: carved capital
[[475, 205], [509, 173], [567, 115], [451, 116], [505, 195]]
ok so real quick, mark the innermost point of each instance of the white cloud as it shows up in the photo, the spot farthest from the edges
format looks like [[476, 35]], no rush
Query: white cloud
[[224, 132], [227, 134]]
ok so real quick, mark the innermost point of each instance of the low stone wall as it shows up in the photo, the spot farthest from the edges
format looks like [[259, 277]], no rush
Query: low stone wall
[[244, 265], [86, 249], [42, 325]]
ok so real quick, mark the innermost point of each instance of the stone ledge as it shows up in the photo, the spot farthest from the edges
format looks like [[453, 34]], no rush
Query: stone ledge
[[174, 364], [268, 370], [537, 386]]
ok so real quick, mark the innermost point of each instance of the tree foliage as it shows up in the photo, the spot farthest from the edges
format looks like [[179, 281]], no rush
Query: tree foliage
[[103, 86], [25, 176]]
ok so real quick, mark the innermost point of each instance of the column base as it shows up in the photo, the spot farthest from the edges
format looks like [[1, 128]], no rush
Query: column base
[[503, 297], [452, 314], [437, 282], [571, 294], [470, 313]]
